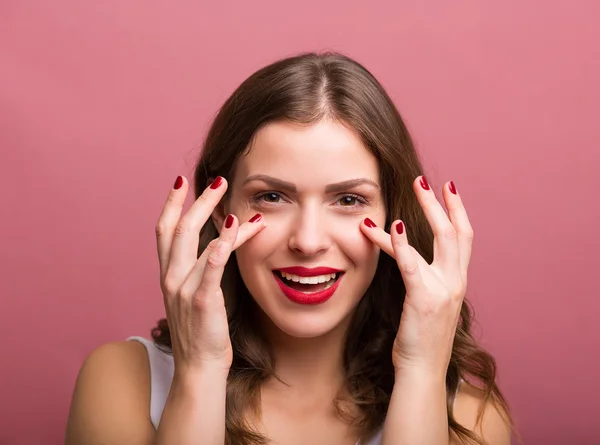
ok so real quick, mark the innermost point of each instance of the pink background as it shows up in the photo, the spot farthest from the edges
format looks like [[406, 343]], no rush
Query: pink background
[[103, 104]]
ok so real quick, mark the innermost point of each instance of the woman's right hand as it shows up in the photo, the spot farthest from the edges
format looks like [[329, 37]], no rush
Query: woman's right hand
[[191, 286]]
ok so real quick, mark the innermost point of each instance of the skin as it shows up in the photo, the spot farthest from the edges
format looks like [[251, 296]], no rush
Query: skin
[[308, 227]]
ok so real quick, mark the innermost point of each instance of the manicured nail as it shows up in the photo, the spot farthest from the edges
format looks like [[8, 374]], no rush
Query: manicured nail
[[178, 183], [255, 218], [229, 221], [400, 228], [424, 183], [452, 187], [369, 223], [216, 183]]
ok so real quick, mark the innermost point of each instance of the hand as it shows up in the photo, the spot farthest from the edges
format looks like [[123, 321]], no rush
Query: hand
[[434, 292], [191, 286]]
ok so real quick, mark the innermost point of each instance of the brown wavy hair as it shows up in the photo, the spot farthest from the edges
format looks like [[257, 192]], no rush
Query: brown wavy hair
[[305, 89]]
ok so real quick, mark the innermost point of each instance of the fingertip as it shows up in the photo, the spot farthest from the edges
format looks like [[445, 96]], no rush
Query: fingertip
[[369, 223], [398, 233], [229, 221], [218, 184], [258, 222], [400, 229], [178, 182], [255, 218]]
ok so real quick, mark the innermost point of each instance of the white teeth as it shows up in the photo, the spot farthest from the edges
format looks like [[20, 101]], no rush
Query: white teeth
[[308, 280]]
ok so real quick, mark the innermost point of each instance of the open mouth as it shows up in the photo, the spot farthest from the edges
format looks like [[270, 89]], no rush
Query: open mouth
[[304, 285], [308, 284]]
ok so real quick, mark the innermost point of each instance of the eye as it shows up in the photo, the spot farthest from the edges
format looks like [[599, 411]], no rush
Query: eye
[[271, 197], [351, 201]]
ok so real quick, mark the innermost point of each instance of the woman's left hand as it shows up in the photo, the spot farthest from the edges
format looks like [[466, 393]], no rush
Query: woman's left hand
[[434, 292]]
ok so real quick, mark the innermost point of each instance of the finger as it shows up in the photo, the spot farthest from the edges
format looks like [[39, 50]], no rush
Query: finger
[[460, 220], [217, 258], [249, 229], [378, 236], [406, 257], [245, 232], [445, 242], [167, 220], [185, 233]]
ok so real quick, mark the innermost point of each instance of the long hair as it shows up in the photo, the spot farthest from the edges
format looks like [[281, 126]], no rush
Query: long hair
[[305, 89]]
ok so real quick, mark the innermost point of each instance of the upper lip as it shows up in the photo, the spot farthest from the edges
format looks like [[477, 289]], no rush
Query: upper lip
[[309, 271]]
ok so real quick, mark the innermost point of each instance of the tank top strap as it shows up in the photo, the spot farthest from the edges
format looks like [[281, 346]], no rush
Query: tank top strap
[[161, 376]]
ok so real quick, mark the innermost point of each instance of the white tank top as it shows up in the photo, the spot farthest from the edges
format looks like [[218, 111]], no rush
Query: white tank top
[[161, 375]]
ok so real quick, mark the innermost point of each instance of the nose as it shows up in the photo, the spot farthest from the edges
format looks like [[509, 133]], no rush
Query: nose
[[310, 234]]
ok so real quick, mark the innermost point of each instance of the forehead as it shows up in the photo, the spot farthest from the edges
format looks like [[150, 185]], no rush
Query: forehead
[[326, 152]]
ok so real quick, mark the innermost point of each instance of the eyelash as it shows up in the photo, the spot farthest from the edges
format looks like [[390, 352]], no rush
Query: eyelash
[[360, 199]]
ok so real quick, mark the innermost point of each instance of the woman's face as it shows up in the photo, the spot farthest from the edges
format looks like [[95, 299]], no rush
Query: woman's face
[[314, 185]]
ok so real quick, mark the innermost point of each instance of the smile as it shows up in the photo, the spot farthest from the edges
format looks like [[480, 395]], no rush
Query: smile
[[308, 286]]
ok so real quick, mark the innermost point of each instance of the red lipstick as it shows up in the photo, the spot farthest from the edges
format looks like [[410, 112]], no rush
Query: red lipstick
[[300, 297], [309, 272]]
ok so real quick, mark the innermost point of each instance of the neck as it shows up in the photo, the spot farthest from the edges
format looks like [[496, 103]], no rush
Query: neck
[[308, 364]]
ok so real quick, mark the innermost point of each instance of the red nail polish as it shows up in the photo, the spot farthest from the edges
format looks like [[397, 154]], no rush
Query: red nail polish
[[424, 183], [216, 183], [255, 218], [400, 228], [229, 221], [452, 187], [178, 183], [369, 223]]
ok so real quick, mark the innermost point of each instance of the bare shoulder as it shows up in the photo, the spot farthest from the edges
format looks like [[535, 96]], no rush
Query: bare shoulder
[[492, 427], [111, 400]]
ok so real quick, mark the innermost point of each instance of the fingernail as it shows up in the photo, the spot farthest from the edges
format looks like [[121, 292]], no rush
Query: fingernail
[[255, 218], [424, 183], [229, 221], [452, 187], [400, 228], [216, 183], [369, 223], [178, 183]]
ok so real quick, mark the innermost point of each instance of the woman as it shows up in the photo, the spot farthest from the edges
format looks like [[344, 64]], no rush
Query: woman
[[308, 333]]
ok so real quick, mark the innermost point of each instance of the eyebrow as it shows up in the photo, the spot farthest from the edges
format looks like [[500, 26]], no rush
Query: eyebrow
[[329, 188]]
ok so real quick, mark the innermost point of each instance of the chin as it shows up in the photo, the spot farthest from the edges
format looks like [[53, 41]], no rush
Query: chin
[[305, 321], [309, 326]]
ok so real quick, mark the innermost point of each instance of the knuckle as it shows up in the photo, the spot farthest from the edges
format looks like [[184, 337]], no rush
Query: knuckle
[[181, 228], [410, 268], [204, 297], [430, 307], [212, 244], [203, 200], [450, 233], [446, 300], [198, 301], [185, 294], [169, 286], [221, 249], [456, 291], [160, 229], [469, 235], [212, 263], [218, 256]]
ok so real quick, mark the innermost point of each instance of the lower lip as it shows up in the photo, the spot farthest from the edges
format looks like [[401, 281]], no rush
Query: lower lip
[[304, 297]]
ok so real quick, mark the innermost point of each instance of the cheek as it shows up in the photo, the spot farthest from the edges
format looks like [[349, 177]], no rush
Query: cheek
[[355, 244], [260, 246]]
